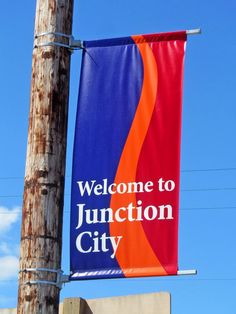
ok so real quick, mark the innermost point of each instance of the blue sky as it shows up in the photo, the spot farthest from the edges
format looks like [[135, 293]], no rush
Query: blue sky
[[208, 206]]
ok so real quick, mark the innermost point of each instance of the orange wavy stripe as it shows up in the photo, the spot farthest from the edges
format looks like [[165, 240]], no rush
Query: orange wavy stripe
[[135, 253]]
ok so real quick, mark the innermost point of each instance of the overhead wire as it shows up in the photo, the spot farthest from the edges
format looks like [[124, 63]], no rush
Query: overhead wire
[[209, 170], [177, 279], [181, 209], [183, 171], [182, 190]]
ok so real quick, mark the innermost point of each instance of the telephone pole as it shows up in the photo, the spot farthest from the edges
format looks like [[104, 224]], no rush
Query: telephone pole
[[42, 217]]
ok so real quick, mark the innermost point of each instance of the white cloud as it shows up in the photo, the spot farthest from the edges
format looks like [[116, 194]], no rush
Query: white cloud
[[4, 248], [8, 267], [8, 218], [7, 248]]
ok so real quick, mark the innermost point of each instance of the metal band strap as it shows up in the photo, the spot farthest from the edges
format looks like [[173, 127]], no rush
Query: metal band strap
[[72, 43], [60, 279]]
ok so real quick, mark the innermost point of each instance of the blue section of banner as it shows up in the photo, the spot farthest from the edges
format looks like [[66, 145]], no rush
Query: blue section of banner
[[109, 42], [110, 88]]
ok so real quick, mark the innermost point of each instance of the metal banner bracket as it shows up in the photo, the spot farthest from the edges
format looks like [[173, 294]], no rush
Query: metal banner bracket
[[187, 272], [73, 44], [60, 277], [70, 44]]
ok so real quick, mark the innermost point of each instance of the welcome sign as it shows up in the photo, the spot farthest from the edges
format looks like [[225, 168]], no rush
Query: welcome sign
[[126, 163]]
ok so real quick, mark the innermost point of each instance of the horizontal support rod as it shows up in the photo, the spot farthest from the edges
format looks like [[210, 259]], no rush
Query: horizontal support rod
[[78, 44], [195, 31], [187, 272]]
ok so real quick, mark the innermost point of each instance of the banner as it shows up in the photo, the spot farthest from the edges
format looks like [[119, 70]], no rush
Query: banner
[[126, 162]]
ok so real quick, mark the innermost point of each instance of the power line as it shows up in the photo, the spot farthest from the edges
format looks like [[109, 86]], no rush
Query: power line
[[209, 189], [181, 209], [207, 208], [12, 280], [11, 196], [19, 178], [11, 178], [184, 171], [177, 279], [182, 190], [209, 170]]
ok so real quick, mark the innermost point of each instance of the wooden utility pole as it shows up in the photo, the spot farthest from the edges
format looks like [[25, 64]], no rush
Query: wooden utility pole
[[41, 233]]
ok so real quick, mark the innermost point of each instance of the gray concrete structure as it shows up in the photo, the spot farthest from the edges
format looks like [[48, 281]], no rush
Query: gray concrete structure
[[151, 303]]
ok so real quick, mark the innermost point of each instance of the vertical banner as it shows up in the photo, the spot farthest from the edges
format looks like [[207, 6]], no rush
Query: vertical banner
[[126, 162]]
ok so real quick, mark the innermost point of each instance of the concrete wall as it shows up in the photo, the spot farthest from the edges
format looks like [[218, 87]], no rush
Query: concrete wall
[[151, 303], [13, 311], [7, 311]]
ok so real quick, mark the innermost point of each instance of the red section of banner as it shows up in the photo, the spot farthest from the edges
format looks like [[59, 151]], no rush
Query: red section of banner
[[161, 149], [152, 153]]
